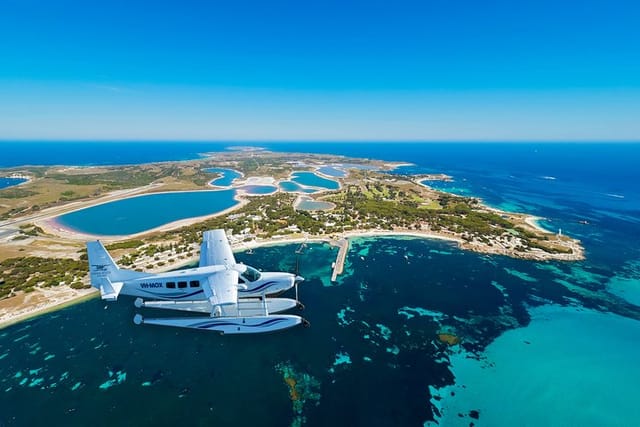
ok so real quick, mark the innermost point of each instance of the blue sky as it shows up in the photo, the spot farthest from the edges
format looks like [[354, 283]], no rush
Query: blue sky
[[311, 70]]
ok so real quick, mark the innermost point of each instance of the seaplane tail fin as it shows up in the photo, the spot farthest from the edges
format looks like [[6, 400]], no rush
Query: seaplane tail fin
[[105, 273]]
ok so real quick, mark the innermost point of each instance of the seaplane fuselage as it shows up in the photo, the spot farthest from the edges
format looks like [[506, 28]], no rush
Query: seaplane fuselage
[[186, 285]]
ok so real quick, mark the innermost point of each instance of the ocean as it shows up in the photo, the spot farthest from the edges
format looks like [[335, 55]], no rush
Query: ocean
[[10, 182], [559, 341]]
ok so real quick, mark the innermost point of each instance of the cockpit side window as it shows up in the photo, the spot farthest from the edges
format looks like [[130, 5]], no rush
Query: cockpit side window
[[251, 274]]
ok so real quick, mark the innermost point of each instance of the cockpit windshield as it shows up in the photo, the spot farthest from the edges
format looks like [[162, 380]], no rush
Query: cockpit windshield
[[251, 274]]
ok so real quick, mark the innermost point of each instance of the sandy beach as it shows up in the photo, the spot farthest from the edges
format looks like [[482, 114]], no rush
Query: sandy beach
[[533, 222], [25, 306]]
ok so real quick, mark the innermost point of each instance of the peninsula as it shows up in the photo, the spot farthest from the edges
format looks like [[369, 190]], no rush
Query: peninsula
[[281, 197]]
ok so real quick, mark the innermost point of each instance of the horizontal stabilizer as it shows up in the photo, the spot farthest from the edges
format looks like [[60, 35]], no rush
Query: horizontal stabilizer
[[110, 291]]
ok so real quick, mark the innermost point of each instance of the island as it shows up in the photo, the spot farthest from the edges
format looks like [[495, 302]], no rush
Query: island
[[277, 198]]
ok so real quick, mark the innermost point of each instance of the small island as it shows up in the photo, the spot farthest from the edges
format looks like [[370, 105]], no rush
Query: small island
[[279, 198]]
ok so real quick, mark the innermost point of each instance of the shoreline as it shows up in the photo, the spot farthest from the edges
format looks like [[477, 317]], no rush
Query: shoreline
[[26, 180], [62, 296], [51, 226], [61, 300], [532, 221], [57, 299]]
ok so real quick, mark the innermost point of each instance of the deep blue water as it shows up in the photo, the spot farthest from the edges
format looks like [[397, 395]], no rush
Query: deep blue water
[[10, 182], [412, 287], [90, 153], [127, 216], [226, 178]]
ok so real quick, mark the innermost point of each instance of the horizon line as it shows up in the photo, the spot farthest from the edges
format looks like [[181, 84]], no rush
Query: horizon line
[[311, 141]]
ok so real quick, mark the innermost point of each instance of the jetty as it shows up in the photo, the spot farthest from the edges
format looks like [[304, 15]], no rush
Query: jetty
[[338, 266]]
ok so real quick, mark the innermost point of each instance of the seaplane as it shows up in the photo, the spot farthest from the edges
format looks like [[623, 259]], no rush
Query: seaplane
[[237, 298]]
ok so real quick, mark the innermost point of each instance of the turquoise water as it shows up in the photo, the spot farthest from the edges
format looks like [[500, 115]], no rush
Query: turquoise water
[[259, 189], [137, 214], [228, 175], [626, 283], [448, 186], [10, 182], [567, 367], [314, 180], [332, 171], [292, 187]]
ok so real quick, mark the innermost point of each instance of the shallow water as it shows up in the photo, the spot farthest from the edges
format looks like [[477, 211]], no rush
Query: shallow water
[[334, 171], [567, 367], [292, 187], [311, 179], [259, 189], [137, 214]]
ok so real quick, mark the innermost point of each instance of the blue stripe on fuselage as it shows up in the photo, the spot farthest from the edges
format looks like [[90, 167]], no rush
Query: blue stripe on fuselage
[[171, 296], [259, 288]]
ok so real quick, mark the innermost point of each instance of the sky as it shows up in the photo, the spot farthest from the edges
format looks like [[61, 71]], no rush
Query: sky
[[432, 70]]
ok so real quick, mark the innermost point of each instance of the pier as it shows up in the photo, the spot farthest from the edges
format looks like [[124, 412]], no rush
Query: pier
[[338, 266]]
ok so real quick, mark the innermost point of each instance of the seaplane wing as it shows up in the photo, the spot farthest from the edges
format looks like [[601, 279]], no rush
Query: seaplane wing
[[215, 249], [221, 288]]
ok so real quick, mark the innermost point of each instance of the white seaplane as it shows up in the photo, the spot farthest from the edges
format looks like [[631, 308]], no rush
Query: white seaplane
[[236, 297]]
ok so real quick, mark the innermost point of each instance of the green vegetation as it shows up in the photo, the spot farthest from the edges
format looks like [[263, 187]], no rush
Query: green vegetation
[[16, 193], [31, 230], [129, 244], [25, 274], [372, 205], [116, 179]]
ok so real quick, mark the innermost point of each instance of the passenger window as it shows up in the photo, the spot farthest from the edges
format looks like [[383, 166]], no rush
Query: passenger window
[[171, 285], [194, 284], [182, 284]]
